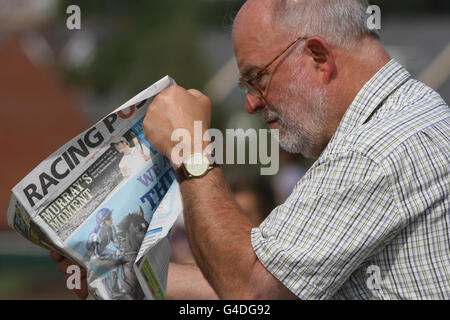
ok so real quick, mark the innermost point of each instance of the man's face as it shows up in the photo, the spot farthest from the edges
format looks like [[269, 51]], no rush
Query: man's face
[[296, 106], [294, 102], [109, 221], [122, 147]]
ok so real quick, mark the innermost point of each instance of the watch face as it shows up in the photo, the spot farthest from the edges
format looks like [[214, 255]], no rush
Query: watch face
[[197, 164]]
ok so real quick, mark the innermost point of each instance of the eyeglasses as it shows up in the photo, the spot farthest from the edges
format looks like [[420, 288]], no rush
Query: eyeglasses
[[249, 86]]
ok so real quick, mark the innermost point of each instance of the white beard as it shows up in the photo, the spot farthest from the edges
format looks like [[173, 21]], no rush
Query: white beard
[[301, 122]]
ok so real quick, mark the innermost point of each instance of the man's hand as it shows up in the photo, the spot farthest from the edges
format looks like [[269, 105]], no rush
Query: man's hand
[[175, 108], [63, 264]]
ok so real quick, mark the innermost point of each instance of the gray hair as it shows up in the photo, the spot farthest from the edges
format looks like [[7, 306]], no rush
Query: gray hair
[[339, 22]]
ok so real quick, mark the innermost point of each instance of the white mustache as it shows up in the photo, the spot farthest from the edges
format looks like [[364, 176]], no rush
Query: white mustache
[[269, 115]]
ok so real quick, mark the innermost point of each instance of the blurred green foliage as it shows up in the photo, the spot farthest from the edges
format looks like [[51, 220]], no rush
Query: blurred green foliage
[[142, 41]]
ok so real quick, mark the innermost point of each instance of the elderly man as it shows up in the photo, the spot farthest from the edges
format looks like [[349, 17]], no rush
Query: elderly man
[[370, 219]]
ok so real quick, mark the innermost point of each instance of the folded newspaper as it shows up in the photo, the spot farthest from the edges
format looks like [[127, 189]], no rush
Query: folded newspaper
[[108, 201]]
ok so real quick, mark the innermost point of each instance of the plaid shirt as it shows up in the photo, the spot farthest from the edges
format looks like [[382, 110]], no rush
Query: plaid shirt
[[370, 219]]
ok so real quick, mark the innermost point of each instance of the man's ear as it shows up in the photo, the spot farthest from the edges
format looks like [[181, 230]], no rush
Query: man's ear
[[322, 56]]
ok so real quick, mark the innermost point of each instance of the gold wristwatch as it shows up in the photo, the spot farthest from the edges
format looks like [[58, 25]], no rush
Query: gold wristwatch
[[196, 166]]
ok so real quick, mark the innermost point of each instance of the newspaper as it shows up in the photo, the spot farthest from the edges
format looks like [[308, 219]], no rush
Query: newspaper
[[107, 200]]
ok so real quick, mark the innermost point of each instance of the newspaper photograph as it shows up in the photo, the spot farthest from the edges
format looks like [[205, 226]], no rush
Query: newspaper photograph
[[106, 200]]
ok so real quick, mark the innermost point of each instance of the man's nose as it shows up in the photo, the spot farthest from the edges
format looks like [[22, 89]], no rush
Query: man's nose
[[254, 104]]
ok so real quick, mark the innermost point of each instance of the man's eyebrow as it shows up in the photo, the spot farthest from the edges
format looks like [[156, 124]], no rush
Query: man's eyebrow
[[250, 69]]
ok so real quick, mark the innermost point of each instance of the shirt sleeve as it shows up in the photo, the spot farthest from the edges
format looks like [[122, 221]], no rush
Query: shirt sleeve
[[338, 215]]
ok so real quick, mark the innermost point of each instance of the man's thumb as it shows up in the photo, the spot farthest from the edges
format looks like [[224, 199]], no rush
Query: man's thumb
[[196, 93]]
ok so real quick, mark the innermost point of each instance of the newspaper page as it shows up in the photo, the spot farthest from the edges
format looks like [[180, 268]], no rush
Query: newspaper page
[[151, 261], [107, 200]]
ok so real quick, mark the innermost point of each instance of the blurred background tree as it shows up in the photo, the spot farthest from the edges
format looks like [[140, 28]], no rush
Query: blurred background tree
[[141, 41]]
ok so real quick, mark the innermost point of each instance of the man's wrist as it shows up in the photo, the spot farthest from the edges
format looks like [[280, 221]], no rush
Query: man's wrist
[[196, 166], [181, 153]]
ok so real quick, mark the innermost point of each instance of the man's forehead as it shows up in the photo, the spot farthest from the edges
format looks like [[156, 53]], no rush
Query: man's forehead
[[254, 35]]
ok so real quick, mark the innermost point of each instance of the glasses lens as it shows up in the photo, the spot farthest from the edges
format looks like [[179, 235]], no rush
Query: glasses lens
[[249, 88]]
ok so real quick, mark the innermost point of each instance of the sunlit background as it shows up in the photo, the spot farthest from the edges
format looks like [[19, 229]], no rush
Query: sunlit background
[[55, 83]]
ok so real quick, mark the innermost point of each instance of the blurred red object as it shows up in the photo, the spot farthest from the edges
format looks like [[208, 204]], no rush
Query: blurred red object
[[36, 118]]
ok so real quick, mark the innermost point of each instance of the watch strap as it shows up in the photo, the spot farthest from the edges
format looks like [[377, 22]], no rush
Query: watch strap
[[181, 173]]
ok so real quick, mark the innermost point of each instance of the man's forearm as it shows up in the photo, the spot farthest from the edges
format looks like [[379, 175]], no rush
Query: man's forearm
[[218, 230], [185, 281], [219, 234]]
